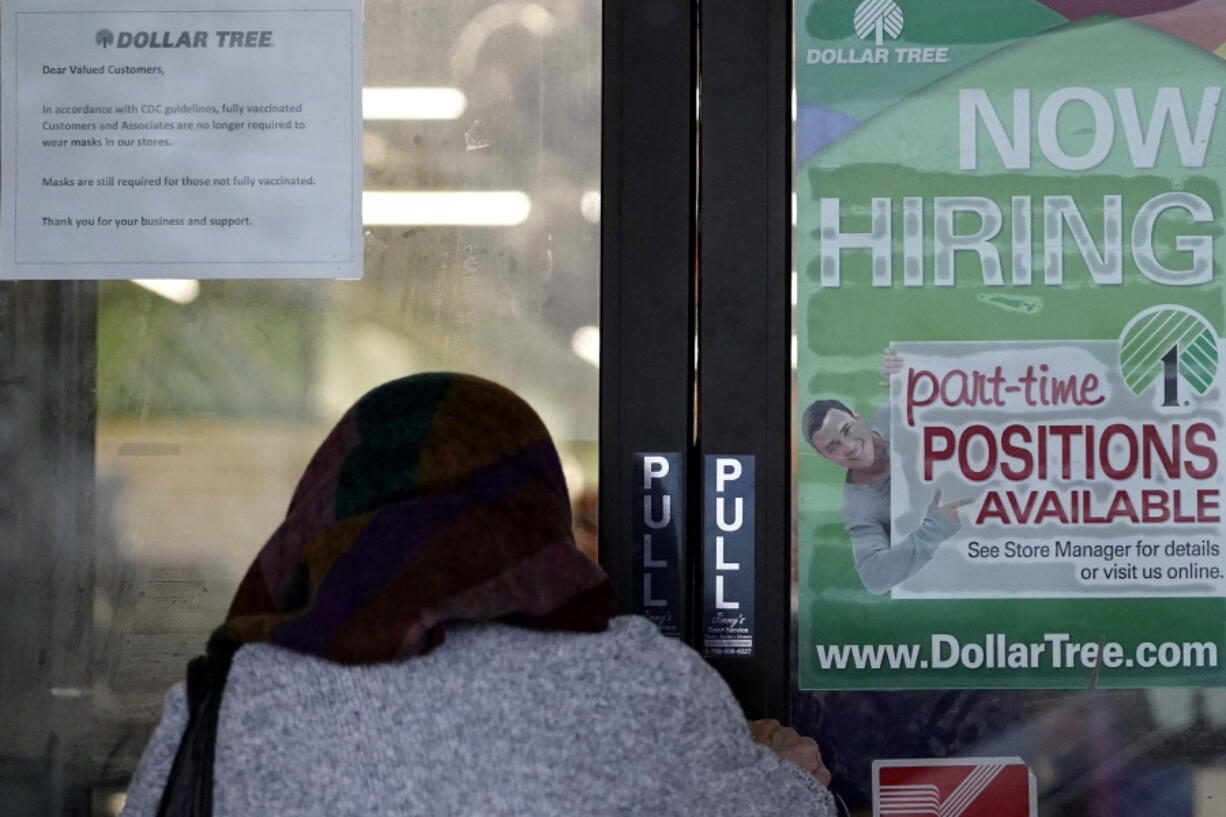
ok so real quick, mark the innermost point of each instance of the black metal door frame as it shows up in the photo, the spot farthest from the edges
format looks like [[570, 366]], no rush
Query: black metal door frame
[[647, 262], [695, 303]]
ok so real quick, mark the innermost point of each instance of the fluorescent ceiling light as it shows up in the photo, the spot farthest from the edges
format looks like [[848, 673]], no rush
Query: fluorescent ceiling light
[[489, 209], [413, 103], [589, 205], [179, 290], [585, 343]]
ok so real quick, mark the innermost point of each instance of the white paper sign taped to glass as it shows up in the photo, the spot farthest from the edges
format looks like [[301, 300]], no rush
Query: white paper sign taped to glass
[[729, 551], [161, 141], [1088, 468], [659, 536]]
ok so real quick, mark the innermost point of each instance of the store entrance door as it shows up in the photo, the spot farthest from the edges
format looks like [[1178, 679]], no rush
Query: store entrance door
[[966, 190], [695, 373]]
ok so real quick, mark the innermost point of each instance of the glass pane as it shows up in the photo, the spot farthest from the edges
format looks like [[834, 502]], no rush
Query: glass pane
[[211, 395], [1007, 473]]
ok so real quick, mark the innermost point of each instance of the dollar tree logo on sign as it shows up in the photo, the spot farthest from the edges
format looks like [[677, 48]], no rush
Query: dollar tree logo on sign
[[878, 18], [1170, 345]]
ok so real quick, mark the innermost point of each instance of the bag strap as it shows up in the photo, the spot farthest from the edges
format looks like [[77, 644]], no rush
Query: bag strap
[[189, 788]]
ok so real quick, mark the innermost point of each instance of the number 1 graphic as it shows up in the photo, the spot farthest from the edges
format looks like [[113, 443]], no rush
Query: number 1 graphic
[[1170, 376]]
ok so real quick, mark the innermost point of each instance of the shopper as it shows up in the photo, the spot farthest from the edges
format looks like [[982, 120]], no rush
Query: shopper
[[435, 508]]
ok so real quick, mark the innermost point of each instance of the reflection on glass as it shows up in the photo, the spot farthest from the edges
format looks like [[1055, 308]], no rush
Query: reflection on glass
[[482, 138], [893, 109]]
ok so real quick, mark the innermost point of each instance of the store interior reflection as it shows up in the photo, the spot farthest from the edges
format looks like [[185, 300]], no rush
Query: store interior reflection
[[481, 213]]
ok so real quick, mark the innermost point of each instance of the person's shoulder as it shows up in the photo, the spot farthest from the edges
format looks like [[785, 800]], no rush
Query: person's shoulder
[[637, 629], [632, 650], [641, 636], [651, 652], [265, 659], [263, 673], [632, 639]]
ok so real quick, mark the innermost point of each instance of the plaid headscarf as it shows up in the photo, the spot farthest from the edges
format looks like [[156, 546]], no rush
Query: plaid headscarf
[[437, 498]]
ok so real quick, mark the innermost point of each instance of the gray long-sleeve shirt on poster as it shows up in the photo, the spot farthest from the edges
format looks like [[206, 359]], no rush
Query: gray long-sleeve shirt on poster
[[497, 722], [866, 514]]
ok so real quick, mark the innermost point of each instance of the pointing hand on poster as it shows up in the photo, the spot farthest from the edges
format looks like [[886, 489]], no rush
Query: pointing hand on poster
[[949, 510]]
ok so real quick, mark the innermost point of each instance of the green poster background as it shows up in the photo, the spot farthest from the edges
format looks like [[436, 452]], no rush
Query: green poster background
[[907, 146]]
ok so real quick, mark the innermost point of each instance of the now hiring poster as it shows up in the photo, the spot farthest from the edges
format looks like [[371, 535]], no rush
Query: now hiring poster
[[1010, 311]]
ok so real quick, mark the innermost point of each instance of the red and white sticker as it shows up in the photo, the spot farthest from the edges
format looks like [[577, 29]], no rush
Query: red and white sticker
[[956, 787]]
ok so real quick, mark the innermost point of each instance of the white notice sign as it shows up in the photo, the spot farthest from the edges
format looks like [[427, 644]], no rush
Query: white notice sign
[[149, 141]]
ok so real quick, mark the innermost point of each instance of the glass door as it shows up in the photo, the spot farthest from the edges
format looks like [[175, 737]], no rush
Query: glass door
[[1007, 409], [153, 430]]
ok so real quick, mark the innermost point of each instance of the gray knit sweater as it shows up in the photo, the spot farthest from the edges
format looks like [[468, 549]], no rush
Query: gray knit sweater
[[498, 721]]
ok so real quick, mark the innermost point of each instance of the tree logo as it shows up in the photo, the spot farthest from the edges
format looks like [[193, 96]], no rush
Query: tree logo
[[878, 18], [1171, 344], [104, 38]]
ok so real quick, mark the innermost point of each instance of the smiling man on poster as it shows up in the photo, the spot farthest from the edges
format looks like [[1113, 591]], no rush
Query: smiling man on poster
[[838, 434]]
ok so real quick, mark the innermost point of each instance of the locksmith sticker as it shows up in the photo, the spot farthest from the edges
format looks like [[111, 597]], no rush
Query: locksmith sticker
[[961, 787]]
